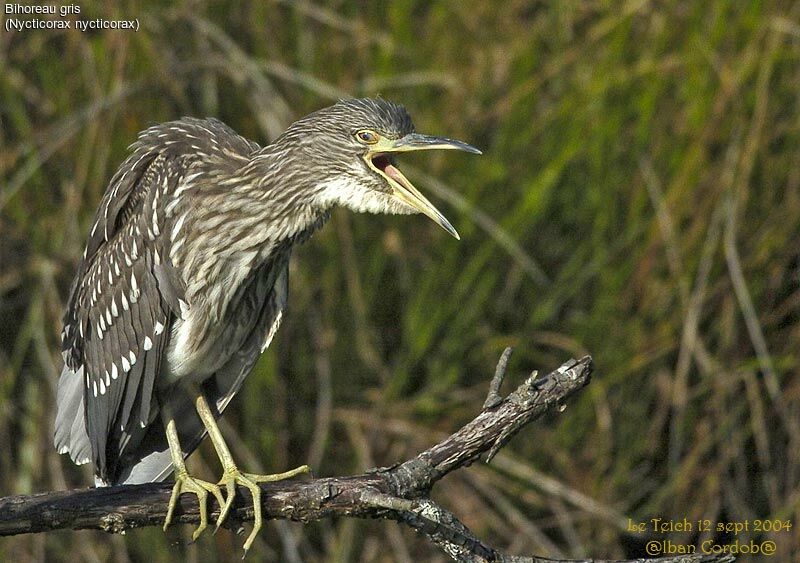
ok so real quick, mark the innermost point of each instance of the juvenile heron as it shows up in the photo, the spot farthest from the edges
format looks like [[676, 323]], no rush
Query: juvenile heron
[[183, 281]]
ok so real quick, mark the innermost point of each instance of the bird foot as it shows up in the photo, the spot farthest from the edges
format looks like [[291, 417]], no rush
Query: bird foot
[[184, 483], [232, 477]]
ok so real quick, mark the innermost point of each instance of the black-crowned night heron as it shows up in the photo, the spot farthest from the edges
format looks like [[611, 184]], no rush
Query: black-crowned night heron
[[184, 279]]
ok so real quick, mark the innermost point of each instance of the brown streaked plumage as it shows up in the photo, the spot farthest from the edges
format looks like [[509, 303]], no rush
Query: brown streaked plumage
[[184, 278]]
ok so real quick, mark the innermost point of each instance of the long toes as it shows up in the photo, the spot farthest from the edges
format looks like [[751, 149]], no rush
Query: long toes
[[173, 500], [233, 477], [255, 490], [186, 484], [303, 469], [230, 487], [202, 501], [214, 490]]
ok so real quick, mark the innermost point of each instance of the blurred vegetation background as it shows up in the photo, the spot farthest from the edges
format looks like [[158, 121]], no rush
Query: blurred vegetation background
[[638, 199]]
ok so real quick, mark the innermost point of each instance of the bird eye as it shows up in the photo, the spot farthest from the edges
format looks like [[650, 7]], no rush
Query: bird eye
[[368, 137]]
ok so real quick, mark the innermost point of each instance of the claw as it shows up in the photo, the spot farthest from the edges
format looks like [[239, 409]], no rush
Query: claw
[[184, 483], [233, 477]]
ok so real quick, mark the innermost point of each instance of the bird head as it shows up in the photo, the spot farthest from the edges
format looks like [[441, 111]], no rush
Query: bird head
[[352, 147]]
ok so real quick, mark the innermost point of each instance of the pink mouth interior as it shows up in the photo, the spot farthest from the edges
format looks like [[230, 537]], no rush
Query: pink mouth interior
[[384, 163]]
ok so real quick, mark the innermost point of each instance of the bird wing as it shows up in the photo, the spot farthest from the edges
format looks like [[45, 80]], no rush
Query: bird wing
[[120, 309], [266, 297]]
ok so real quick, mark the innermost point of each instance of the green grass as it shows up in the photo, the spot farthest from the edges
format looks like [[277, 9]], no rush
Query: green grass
[[638, 199]]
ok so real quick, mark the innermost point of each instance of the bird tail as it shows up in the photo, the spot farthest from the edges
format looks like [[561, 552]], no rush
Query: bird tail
[[153, 461], [145, 456], [70, 434]]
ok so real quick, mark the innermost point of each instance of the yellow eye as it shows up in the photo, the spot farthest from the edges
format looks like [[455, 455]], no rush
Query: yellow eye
[[367, 137]]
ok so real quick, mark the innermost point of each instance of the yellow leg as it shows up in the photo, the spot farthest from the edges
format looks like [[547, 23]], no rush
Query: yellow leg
[[231, 476], [187, 484]]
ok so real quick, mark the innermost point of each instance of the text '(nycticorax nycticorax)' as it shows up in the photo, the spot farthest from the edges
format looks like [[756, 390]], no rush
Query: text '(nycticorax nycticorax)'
[[183, 281]]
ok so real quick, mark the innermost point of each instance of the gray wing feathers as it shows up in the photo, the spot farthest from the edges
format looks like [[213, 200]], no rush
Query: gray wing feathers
[[120, 379], [70, 436], [170, 285], [117, 319], [151, 461], [229, 381]]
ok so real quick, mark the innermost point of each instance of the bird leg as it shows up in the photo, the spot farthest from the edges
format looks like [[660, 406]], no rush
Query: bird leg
[[184, 483], [231, 476]]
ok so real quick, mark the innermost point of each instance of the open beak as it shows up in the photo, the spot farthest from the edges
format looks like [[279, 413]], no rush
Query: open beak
[[380, 158]]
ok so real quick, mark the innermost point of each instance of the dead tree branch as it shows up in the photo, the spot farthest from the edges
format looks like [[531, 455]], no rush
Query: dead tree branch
[[398, 493]]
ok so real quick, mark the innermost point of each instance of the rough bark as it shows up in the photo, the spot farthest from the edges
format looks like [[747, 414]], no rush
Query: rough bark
[[398, 493]]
